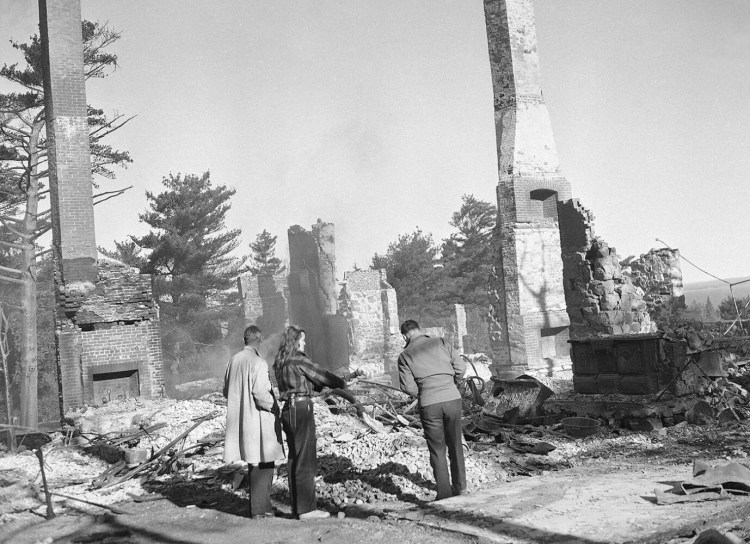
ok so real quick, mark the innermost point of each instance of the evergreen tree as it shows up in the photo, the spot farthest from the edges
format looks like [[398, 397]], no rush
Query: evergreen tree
[[419, 281], [727, 309], [469, 256], [190, 256], [710, 314], [694, 312], [468, 253], [264, 259], [127, 252]]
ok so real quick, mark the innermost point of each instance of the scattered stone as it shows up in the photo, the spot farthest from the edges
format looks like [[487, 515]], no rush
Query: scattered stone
[[714, 536], [701, 413]]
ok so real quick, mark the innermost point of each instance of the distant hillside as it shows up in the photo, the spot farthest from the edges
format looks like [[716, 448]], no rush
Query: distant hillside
[[715, 290]]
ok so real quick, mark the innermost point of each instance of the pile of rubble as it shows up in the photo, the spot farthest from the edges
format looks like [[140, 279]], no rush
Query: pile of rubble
[[371, 450]]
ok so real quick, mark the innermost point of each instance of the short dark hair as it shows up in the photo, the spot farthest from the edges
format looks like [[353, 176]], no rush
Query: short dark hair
[[253, 335], [409, 325]]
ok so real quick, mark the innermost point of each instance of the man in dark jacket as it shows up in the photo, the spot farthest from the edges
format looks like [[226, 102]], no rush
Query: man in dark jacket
[[429, 367]]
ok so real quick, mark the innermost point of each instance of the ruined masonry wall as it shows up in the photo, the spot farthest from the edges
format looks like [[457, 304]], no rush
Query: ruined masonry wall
[[265, 301], [375, 342], [600, 299], [659, 275], [116, 349], [113, 329]]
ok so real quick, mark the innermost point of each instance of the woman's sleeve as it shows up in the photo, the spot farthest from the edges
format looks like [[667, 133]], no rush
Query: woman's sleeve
[[320, 377]]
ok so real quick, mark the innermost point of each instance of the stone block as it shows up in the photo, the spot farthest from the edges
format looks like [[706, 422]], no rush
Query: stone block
[[638, 385], [585, 385], [609, 301], [608, 384], [701, 413], [603, 272], [597, 287], [644, 424], [136, 456]]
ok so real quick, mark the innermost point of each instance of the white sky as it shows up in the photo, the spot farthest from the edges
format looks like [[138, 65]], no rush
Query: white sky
[[377, 115]]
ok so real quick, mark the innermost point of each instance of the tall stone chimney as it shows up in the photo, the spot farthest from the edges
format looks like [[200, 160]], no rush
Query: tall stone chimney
[[68, 140], [529, 329], [107, 322]]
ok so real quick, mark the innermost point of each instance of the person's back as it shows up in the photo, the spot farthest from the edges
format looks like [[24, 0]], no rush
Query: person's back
[[433, 365], [429, 367], [253, 432]]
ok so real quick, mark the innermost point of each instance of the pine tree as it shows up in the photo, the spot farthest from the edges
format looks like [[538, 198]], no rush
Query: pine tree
[[264, 259], [727, 308], [421, 286], [190, 255], [468, 253], [127, 252], [710, 314]]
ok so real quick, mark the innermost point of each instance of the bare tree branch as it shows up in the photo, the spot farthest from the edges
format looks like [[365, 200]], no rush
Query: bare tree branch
[[112, 194], [12, 280], [9, 218], [12, 230], [11, 244], [111, 125], [10, 270]]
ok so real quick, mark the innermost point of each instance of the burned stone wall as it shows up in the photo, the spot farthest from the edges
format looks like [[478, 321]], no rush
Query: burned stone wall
[[601, 300], [369, 303], [313, 293], [265, 301], [659, 275]]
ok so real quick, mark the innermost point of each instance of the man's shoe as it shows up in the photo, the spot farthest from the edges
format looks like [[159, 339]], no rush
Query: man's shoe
[[315, 514], [264, 515]]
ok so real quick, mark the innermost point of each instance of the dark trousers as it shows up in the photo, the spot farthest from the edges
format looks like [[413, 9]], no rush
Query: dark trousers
[[299, 425], [261, 478], [442, 429]]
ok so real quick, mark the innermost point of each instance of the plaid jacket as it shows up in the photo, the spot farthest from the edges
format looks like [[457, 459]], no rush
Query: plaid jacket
[[300, 376]]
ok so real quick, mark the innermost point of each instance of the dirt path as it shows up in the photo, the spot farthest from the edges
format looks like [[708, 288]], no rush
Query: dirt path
[[165, 522], [591, 504]]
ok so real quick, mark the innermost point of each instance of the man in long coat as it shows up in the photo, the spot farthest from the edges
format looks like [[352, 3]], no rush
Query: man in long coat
[[253, 432]]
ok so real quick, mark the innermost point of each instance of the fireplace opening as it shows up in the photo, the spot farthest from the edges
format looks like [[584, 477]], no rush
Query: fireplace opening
[[554, 342], [110, 386]]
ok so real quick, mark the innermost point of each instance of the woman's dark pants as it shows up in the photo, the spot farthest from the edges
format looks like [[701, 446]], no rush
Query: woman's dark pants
[[299, 425]]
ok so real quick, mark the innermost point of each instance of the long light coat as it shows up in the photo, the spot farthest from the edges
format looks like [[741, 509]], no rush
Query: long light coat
[[253, 432]]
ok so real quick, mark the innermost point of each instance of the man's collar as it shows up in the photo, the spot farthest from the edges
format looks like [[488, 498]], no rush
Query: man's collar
[[415, 337]]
